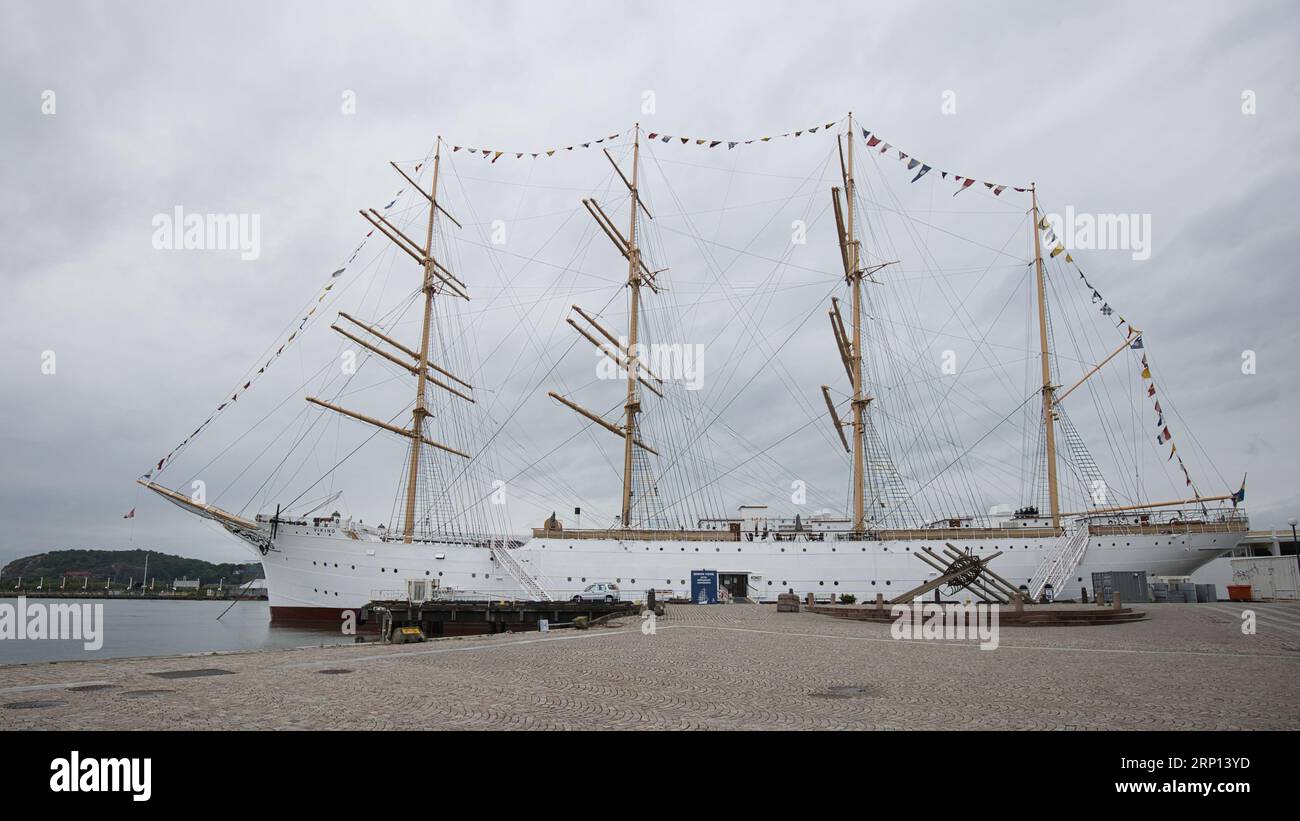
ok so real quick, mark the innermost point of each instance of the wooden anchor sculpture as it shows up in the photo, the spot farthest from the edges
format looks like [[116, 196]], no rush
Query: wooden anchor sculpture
[[962, 571]]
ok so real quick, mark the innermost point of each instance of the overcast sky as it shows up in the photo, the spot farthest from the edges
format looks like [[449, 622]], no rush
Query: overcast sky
[[240, 107]]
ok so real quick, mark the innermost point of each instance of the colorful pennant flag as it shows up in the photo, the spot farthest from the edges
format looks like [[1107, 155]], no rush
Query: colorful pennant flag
[[234, 397], [493, 154]]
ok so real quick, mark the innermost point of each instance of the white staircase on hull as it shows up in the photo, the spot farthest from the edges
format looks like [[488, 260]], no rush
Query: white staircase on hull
[[522, 577], [1064, 558]]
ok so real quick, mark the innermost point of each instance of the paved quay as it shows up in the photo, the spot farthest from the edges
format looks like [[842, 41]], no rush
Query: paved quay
[[719, 667]]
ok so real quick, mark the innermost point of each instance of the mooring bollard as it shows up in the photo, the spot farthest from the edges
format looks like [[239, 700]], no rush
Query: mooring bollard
[[811, 601], [880, 601]]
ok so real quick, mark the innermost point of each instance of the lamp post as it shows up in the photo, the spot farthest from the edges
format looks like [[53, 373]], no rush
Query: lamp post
[[1292, 522]]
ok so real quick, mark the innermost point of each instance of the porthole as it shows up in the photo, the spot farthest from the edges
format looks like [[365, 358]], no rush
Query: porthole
[[823, 584]]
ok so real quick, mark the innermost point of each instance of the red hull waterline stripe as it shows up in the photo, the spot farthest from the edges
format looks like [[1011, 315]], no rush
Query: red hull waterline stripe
[[318, 615]]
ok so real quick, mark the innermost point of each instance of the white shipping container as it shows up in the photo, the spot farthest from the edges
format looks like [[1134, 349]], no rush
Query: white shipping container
[[1269, 577]]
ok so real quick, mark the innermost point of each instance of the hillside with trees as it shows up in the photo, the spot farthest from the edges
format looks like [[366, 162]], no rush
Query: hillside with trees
[[124, 565]]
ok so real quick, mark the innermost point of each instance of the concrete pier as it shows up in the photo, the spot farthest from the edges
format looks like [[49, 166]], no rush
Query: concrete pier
[[708, 667]]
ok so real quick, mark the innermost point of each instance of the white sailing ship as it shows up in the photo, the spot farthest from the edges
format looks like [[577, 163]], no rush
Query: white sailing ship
[[446, 530]]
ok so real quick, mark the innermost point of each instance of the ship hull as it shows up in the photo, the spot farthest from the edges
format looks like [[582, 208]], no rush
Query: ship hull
[[319, 575]]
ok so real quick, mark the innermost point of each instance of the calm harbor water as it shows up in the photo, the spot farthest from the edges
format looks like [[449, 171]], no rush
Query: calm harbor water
[[150, 627]]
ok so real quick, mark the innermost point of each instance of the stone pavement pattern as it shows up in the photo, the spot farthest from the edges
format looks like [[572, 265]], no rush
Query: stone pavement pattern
[[720, 667]]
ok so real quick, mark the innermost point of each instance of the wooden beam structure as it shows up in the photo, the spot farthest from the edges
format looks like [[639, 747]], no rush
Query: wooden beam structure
[[1049, 415], [413, 354], [1101, 511], [400, 363], [841, 337], [610, 336], [1127, 344], [623, 355], [835, 417], [619, 360], [853, 272], [379, 423], [632, 408], [623, 244], [598, 419]]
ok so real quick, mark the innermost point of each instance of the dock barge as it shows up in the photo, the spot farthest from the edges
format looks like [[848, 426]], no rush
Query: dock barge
[[471, 618]]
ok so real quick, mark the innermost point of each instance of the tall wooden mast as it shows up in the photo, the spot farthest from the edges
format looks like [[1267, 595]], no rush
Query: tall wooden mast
[[437, 279], [848, 341], [622, 354], [1049, 415], [420, 412], [633, 406], [859, 399]]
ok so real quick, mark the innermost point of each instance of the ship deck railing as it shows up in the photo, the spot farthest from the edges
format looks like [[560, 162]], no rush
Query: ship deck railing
[[1180, 520], [635, 534]]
